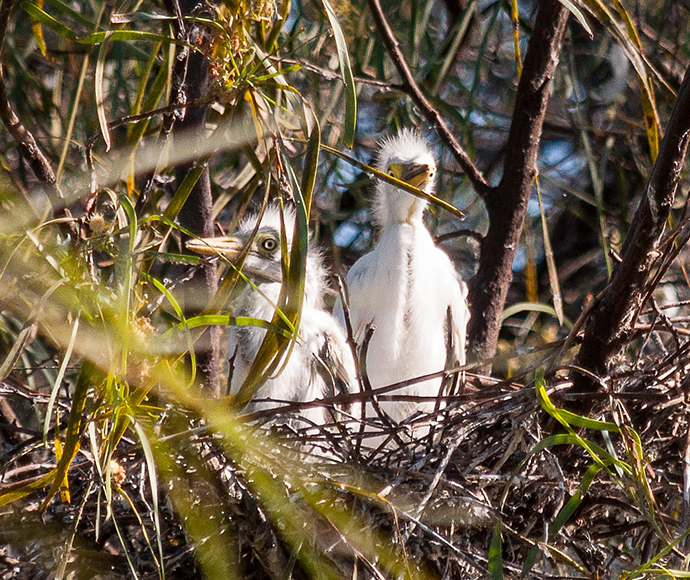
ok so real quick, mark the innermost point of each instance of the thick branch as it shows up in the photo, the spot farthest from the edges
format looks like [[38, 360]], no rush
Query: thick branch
[[430, 113], [22, 136], [612, 322], [190, 84], [506, 204]]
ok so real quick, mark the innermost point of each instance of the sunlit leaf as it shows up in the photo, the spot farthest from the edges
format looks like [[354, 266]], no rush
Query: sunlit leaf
[[346, 72]]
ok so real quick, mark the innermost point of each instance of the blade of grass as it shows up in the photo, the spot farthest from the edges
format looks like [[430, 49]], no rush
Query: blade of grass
[[75, 425], [153, 482], [496, 553], [98, 88], [58, 380], [96, 37], [550, 261], [346, 73]]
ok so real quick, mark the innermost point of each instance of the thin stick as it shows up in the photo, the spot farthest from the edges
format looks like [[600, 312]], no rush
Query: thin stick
[[430, 113]]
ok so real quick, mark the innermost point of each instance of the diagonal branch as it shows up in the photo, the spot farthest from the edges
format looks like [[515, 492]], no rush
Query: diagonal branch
[[430, 113], [22, 136], [612, 321], [506, 204]]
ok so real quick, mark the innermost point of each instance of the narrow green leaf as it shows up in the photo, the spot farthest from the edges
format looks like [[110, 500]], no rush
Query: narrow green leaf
[[629, 41], [518, 307], [23, 338], [153, 480], [180, 314], [348, 78], [515, 21], [58, 379], [458, 34], [13, 492], [74, 429], [392, 180], [651, 118], [563, 515], [37, 30], [579, 16], [496, 553], [97, 37], [225, 320], [185, 188], [567, 417], [73, 14], [311, 163], [278, 25], [550, 261], [98, 87]]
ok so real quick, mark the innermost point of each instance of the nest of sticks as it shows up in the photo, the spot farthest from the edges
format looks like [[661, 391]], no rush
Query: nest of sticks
[[505, 479]]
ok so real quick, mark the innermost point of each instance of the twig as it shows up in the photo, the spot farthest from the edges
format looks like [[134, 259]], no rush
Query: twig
[[22, 136], [368, 334], [612, 323], [430, 113], [464, 233], [345, 301], [506, 204], [330, 75]]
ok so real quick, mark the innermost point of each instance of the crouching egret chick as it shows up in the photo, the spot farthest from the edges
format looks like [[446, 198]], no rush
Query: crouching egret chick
[[406, 286], [320, 363]]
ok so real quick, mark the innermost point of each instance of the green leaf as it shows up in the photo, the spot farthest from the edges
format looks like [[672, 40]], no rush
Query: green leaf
[[74, 428], [98, 87], [550, 261], [153, 480], [563, 515], [185, 189], [225, 320], [58, 379], [518, 307], [73, 14], [392, 180], [579, 16], [97, 37], [496, 553], [346, 72]]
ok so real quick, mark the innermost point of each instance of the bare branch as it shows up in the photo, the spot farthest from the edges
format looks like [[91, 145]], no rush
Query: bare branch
[[190, 85], [612, 322], [22, 136], [430, 113], [506, 204]]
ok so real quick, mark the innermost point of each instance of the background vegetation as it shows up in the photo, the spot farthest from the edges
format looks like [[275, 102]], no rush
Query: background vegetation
[[561, 130]]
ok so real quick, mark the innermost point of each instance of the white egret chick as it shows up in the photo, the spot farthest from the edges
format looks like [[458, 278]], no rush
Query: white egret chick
[[406, 286], [320, 363]]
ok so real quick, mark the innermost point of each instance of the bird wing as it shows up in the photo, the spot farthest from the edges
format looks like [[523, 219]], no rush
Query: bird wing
[[460, 314], [332, 362], [358, 282]]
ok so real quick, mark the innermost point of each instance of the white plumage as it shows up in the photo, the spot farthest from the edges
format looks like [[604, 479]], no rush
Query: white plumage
[[320, 364], [406, 285]]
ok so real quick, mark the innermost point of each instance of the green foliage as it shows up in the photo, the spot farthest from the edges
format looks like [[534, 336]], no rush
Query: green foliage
[[94, 327]]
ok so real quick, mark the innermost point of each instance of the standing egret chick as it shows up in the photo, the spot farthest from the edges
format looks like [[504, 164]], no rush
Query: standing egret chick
[[406, 286], [320, 363]]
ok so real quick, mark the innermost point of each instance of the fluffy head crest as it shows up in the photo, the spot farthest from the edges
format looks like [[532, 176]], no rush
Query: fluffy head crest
[[408, 146], [270, 221], [269, 265], [405, 152]]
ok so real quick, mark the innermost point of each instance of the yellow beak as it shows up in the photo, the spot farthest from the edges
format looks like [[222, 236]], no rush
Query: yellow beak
[[228, 246], [416, 174]]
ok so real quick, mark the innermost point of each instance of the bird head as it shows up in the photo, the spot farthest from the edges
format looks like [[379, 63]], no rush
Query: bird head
[[408, 157], [263, 262]]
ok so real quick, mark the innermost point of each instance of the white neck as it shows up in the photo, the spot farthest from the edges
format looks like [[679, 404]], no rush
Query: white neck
[[394, 206]]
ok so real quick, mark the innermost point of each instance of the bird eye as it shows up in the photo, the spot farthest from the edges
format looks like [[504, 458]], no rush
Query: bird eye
[[391, 173], [269, 244]]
